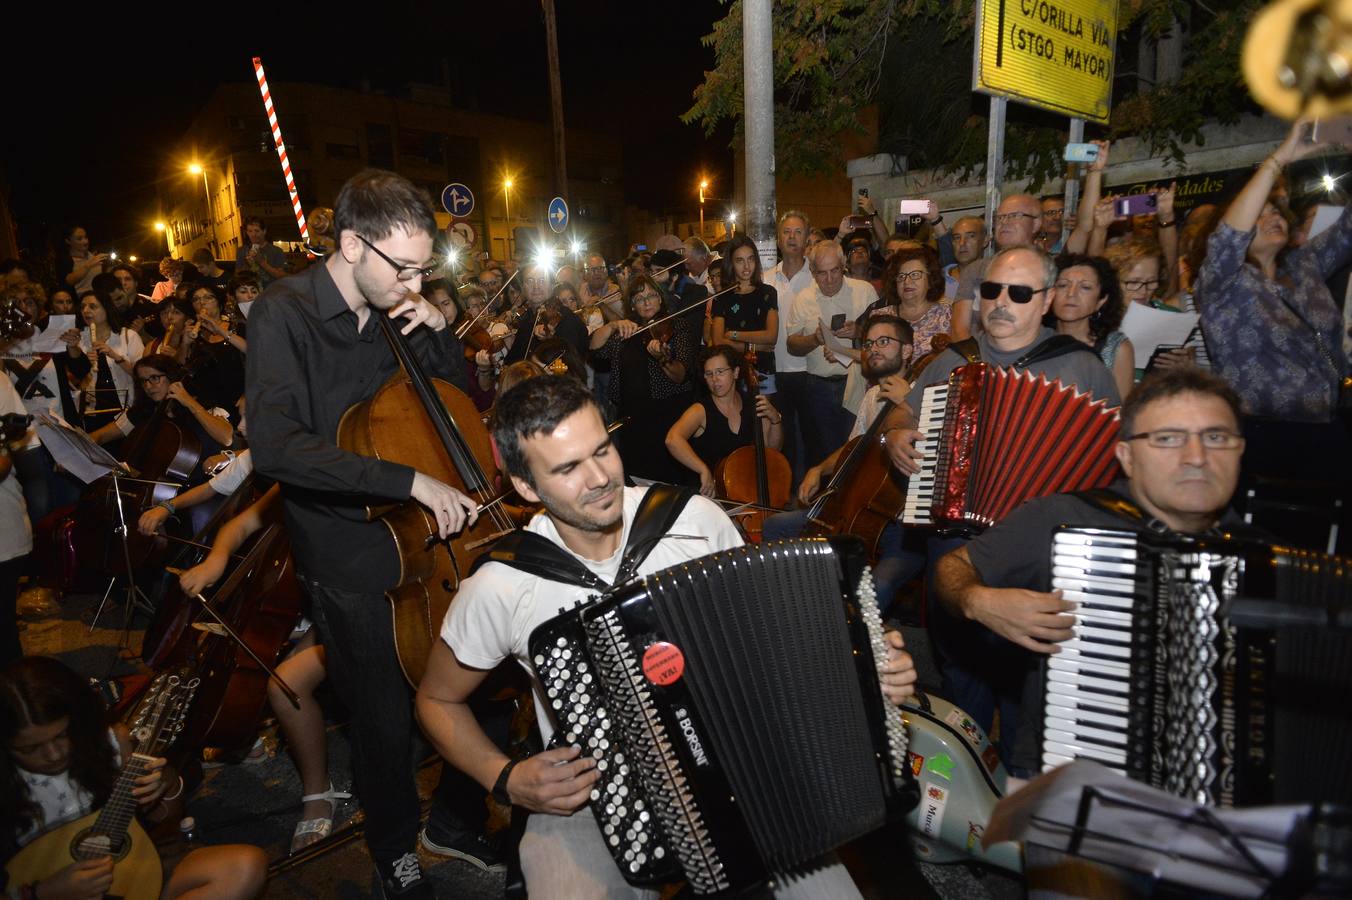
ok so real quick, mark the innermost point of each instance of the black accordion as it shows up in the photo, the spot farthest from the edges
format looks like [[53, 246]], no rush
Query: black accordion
[[733, 706], [1161, 685]]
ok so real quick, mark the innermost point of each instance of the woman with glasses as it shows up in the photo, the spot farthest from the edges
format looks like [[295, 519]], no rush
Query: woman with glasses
[[1087, 305], [913, 290], [112, 351], [721, 420], [159, 380], [215, 352], [1142, 272], [649, 383]]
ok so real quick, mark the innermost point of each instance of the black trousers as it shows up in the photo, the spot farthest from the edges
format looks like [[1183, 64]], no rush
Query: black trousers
[[358, 636]]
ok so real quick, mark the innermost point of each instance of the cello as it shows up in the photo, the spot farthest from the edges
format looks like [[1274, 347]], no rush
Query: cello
[[435, 428], [866, 492], [755, 473], [162, 456]]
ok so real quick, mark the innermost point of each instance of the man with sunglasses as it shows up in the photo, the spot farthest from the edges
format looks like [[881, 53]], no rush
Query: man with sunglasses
[[317, 348], [1180, 451], [1016, 294]]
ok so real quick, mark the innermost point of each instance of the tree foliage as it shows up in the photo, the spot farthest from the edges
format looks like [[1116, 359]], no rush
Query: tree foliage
[[913, 58]]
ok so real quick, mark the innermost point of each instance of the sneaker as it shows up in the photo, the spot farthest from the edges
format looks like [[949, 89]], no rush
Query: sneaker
[[404, 878], [472, 848]]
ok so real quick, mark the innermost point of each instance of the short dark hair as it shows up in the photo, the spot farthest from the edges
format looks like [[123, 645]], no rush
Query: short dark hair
[[240, 279], [109, 308], [1165, 383], [215, 292], [535, 406], [904, 330], [202, 255], [256, 220], [168, 366], [180, 304], [728, 352], [129, 269], [934, 273], [373, 203], [1107, 318]]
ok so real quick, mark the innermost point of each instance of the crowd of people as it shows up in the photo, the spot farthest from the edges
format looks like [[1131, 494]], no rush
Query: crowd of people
[[597, 379]]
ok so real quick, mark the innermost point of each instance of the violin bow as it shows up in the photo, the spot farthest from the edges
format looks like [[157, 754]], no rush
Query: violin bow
[[680, 312], [464, 329]]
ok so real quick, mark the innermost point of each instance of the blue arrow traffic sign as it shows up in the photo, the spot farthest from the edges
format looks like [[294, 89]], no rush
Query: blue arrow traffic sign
[[457, 199], [558, 215]]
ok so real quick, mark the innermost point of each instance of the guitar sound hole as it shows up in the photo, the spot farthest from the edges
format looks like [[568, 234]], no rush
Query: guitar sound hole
[[90, 844]]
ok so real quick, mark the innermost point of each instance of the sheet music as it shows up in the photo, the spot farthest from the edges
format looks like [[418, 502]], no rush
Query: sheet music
[[73, 450], [840, 347], [49, 339], [1151, 328]]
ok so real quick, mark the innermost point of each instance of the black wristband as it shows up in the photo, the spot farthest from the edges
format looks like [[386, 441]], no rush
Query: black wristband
[[500, 786], [936, 222]]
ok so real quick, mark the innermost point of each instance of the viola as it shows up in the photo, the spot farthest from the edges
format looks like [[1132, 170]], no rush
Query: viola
[[162, 456], [754, 473], [435, 428]]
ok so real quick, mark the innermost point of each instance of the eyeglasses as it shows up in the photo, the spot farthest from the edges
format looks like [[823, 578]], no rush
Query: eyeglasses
[[904, 277], [594, 270], [152, 379], [1013, 217], [1053, 213], [647, 298], [401, 272], [537, 281], [1019, 293], [716, 373], [1177, 439], [1149, 284], [881, 343]]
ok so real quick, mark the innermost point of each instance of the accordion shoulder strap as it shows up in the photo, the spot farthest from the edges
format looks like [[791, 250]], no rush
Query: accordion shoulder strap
[[967, 348], [539, 556], [1114, 503], [1052, 347]]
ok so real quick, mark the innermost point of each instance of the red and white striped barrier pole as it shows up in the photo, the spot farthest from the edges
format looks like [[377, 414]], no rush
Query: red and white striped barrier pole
[[281, 149]]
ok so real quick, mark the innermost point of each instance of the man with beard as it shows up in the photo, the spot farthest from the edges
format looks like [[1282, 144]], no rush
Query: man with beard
[[978, 672], [316, 348], [530, 330], [1180, 450], [885, 339], [557, 453]]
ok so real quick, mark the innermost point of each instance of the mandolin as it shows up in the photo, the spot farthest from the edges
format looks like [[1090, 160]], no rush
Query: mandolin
[[113, 830]]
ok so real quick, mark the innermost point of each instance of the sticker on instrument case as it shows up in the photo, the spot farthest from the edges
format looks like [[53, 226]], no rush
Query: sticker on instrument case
[[933, 802], [663, 663], [974, 834], [991, 757], [917, 764], [957, 719], [941, 765]]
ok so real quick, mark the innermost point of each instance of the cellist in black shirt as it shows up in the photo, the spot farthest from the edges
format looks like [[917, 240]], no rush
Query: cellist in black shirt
[[315, 349]]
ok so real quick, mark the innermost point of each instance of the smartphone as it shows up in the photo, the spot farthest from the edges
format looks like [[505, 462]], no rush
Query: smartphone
[[1084, 153], [857, 222], [837, 321], [1337, 130], [1135, 205], [863, 192], [913, 207], [640, 248]]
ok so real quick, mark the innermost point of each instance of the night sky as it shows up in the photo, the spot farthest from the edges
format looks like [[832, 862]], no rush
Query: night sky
[[90, 129]]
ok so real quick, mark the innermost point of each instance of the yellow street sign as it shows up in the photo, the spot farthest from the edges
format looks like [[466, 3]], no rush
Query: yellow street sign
[[1054, 54]]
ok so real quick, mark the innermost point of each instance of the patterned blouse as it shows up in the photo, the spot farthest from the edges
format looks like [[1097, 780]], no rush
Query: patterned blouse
[[1278, 342]]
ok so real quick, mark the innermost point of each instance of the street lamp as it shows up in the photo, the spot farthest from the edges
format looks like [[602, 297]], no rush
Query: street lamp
[[732, 223], [507, 207], [703, 186], [195, 169], [164, 229]]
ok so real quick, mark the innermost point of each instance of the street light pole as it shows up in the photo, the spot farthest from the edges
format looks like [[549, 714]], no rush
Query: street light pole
[[507, 204], [206, 188], [703, 186]]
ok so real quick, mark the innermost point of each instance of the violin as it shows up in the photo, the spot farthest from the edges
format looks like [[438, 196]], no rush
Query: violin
[[435, 428], [14, 322], [754, 473]]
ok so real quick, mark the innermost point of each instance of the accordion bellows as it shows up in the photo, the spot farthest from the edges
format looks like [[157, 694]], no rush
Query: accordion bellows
[[994, 438], [733, 706]]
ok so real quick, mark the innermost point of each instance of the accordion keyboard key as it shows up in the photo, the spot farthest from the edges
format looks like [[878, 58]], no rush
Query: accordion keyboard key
[[920, 486]]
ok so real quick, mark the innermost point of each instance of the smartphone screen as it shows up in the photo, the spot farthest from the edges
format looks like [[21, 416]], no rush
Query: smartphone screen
[[837, 321]]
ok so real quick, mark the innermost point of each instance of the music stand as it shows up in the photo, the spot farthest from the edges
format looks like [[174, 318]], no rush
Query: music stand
[[74, 451]]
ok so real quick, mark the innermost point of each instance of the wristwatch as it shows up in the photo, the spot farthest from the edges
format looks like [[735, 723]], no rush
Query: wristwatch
[[500, 786]]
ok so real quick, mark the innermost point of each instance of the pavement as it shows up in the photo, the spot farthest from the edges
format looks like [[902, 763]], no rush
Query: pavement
[[260, 803]]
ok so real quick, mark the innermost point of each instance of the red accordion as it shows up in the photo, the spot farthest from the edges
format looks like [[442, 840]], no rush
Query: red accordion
[[994, 438]]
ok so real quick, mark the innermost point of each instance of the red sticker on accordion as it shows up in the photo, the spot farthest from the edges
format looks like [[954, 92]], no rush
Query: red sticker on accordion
[[663, 663]]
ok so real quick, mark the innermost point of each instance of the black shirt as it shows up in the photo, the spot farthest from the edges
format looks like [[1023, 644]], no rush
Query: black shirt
[[307, 364], [1016, 553], [570, 328], [749, 312]]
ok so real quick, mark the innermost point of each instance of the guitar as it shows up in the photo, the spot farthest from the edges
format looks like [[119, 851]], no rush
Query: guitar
[[113, 830]]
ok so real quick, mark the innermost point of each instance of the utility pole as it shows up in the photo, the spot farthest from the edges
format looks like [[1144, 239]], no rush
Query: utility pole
[[556, 100], [759, 106]]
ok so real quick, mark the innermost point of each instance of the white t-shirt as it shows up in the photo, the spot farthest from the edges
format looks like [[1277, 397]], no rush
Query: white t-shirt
[[811, 307], [127, 344], [59, 799], [233, 475], [16, 533], [786, 289], [497, 608]]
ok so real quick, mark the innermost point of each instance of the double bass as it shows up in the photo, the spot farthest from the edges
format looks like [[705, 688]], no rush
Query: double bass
[[756, 473], [432, 426]]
